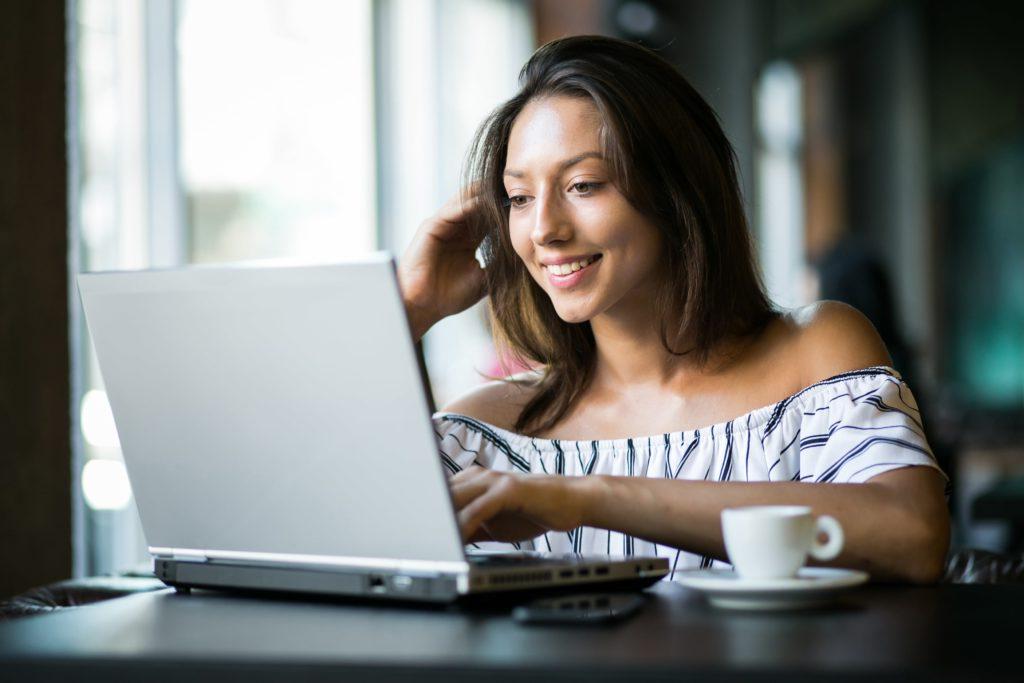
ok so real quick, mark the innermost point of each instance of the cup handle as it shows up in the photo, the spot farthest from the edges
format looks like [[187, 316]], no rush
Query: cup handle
[[829, 549]]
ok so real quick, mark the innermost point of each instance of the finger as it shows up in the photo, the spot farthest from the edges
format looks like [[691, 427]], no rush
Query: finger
[[470, 190], [468, 473], [465, 492], [501, 495], [457, 208], [482, 534], [475, 514]]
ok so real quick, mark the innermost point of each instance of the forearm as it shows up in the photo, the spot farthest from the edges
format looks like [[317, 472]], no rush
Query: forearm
[[884, 535]]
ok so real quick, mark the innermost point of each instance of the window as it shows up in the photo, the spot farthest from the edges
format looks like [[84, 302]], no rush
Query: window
[[276, 128], [226, 130], [780, 200]]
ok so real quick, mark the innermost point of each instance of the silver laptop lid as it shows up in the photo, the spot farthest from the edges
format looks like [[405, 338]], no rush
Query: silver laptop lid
[[273, 413]]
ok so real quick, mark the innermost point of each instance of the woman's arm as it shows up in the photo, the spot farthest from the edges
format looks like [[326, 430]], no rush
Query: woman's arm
[[896, 525], [438, 273]]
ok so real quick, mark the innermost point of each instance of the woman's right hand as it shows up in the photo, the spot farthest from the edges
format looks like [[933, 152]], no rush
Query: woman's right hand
[[438, 273]]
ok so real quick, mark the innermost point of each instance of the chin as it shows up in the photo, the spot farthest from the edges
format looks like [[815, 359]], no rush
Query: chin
[[574, 315], [576, 320]]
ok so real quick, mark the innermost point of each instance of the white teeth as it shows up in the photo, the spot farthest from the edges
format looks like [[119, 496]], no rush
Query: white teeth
[[566, 268]]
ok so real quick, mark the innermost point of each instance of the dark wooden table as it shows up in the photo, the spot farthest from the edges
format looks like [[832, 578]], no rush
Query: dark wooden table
[[891, 633]]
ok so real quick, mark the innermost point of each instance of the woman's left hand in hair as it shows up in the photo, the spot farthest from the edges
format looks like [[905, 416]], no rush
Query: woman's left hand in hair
[[505, 506]]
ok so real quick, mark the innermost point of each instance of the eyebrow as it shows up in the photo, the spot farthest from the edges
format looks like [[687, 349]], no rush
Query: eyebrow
[[568, 163]]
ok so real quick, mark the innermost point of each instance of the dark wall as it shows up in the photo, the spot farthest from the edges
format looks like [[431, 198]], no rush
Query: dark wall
[[35, 421], [718, 47], [976, 137], [883, 96], [722, 55], [976, 80]]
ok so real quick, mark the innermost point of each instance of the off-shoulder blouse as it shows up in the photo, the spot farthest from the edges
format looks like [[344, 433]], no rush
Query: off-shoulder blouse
[[844, 429]]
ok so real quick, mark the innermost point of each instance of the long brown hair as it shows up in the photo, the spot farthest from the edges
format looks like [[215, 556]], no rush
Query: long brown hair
[[670, 159]]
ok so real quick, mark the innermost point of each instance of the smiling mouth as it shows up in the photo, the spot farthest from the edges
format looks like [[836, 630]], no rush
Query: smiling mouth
[[570, 268]]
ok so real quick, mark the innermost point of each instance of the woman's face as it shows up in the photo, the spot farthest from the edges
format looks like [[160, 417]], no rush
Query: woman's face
[[582, 242]]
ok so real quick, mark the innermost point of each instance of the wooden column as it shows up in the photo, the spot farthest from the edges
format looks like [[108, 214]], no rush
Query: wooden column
[[35, 387], [562, 18]]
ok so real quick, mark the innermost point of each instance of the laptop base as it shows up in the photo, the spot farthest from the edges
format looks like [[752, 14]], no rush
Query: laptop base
[[184, 575]]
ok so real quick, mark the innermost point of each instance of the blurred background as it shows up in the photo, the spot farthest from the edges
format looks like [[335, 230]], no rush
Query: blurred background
[[880, 143]]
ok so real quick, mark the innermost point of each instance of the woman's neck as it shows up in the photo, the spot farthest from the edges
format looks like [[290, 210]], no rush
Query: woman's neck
[[631, 353], [630, 350]]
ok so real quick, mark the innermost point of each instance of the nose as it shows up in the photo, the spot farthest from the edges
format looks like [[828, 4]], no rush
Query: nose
[[550, 222]]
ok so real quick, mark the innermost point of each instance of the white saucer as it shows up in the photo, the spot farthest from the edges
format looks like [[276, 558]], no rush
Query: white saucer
[[812, 587]]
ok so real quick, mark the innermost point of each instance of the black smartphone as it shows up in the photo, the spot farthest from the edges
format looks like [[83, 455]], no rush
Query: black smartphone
[[579, 609]]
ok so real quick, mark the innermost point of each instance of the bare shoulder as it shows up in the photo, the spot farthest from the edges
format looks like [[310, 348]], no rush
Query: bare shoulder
[[832, 338], [498, 403]]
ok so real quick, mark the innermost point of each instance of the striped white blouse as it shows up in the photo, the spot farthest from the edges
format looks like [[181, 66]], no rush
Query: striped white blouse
[[845, 429]]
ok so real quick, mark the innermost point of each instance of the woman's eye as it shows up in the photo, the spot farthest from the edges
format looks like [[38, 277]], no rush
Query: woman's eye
[[516, 200], [585, 187]]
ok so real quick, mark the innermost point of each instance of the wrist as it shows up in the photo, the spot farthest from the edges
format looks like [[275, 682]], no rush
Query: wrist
[[585, 495], [420, 320]]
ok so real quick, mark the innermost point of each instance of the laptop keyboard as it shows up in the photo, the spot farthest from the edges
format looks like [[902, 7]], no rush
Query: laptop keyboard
[[518, 559]]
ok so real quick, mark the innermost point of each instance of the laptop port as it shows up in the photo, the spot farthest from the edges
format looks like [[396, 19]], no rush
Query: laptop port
[[584, 572], [377, 584], [565, 574], [601, 571]]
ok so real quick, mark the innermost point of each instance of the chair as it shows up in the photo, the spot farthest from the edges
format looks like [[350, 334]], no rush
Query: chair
[[970, 565], [75, 592]]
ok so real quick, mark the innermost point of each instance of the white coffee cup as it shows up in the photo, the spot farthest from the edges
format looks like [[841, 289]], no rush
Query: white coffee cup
[[773, 541]]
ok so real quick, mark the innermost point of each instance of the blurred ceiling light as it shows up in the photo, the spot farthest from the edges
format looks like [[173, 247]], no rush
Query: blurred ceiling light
[[105, 484], [637, 18], [98, 421]]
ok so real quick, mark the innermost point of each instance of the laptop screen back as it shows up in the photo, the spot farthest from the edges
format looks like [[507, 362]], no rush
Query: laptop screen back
[[272, 410]]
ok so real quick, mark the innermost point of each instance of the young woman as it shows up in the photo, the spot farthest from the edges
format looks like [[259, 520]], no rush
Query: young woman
[[619, 263]]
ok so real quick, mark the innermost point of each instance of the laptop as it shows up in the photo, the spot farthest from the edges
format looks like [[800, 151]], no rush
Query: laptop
[[276, 428]]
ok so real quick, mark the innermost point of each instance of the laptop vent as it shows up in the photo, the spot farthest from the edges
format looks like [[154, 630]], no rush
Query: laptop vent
[[522, 577]]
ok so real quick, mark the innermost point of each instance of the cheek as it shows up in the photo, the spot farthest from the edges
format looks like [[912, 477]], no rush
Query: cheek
[[653, 258], [640, 246]]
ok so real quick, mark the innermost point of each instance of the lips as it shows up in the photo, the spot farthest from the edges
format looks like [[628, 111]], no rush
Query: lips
[[570, 273], [568, 267]]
